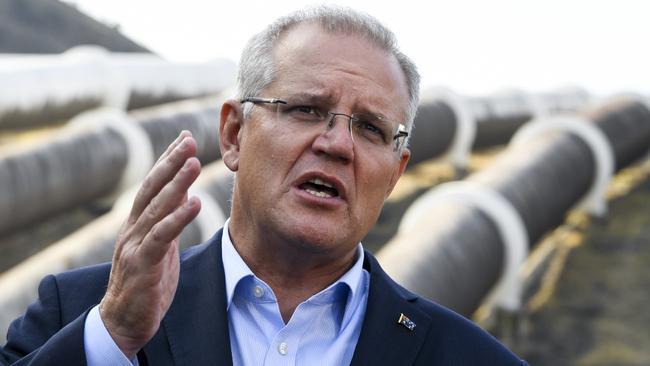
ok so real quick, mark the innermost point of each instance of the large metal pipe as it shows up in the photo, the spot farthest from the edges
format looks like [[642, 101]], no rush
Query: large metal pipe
[[80, 165], [500, 115], [454, 253], [36, 90], [441, 124], [53, 177], [427, 142], [163, 124]]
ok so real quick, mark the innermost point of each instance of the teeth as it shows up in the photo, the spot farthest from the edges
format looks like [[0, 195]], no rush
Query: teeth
[[318, 181], [318, 193]]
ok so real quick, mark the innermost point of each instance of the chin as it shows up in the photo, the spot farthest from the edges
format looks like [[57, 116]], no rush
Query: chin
[[321, 237]]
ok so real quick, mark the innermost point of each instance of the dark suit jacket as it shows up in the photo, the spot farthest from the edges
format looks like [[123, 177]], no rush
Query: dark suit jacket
[[195, 330]]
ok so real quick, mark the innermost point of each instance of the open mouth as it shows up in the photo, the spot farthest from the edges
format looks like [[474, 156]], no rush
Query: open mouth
[[319, 188]]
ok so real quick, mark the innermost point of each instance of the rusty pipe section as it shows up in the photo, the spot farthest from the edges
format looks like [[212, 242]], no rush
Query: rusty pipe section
[[42, 89], [90, 160], [454, 253]]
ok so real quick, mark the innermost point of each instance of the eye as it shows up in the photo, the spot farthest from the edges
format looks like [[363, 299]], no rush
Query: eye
[[368, 126], [371, 129], [306, 109], [303, 112]]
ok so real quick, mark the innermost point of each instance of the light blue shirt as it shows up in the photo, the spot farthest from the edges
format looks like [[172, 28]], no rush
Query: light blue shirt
[[323, 330]]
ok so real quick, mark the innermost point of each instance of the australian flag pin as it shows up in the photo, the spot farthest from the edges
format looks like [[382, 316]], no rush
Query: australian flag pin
[[405, 321]]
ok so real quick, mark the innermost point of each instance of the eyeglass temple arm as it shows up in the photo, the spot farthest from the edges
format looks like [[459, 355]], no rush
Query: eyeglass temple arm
[[400, 132]]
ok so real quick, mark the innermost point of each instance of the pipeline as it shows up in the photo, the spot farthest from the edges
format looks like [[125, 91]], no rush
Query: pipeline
[[98, 154], [94, 243], [453, 250], [450, 126], [39, 90], [36, 188]]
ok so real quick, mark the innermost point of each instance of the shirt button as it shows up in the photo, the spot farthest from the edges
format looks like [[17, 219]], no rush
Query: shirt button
[[283, 348], [258, 291]]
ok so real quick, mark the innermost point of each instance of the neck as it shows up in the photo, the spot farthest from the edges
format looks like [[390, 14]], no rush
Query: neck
[[293, 270]]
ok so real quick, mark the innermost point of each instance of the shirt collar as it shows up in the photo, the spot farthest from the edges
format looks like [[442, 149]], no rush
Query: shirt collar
[[236, 269]]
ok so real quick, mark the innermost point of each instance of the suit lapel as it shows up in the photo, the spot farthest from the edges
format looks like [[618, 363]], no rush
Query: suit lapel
[[196, 325], [383, 340]]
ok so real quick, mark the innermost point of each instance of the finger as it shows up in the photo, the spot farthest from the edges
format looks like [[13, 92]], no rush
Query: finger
[[172, 146], [161, 174], [169, 198], [157, 242]]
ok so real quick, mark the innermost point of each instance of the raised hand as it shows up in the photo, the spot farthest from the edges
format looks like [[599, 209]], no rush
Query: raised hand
[[145, 270]]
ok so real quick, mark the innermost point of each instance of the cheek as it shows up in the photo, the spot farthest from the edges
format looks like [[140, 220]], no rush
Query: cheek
[[374, 181], [267, 158]]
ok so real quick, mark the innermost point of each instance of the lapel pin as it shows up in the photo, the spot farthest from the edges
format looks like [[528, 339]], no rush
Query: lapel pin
[[405, 321]]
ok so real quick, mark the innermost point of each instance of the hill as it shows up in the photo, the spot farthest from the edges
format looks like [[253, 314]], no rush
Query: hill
[[52, 26]]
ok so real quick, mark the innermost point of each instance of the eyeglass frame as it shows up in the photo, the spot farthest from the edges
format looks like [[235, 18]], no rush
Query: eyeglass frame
[[401, 128]]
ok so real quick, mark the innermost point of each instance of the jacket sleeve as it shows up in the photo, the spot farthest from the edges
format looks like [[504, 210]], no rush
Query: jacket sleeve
[[39, 337]]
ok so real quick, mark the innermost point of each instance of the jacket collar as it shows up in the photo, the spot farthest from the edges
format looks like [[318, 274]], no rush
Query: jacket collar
[[384, 340], [196, 325]]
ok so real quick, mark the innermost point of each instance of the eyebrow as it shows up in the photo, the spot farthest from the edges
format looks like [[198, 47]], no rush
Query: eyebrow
[[311, 98], [328, 99]]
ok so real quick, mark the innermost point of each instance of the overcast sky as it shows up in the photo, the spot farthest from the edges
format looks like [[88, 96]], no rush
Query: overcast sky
[[473, 47]]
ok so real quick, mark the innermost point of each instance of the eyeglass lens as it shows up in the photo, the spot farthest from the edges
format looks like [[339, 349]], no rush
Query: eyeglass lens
[[365, 129]]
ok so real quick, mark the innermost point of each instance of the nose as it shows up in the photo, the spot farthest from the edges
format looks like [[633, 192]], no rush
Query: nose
[[336, 141]]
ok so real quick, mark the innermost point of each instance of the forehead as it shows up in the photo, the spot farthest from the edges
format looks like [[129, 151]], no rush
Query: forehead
[[346, 68]]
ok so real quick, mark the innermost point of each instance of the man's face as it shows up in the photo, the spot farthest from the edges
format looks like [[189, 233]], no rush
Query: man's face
[[280, 172]]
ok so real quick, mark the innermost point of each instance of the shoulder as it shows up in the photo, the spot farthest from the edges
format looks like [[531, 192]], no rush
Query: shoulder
[[450, 337], [62, 300], [77, 290], [459, 341], [454, 332]]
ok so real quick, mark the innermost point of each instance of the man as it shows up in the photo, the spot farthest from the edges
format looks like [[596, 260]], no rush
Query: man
[[317, 139]]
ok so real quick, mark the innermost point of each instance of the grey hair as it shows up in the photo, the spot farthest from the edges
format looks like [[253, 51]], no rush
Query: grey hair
[[256, 69]]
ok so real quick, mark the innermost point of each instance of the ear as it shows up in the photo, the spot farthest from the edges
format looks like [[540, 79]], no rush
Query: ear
[[405, 155], [230, 128]]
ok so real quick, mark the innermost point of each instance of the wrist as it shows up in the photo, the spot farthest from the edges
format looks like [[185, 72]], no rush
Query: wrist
[[127, 344]]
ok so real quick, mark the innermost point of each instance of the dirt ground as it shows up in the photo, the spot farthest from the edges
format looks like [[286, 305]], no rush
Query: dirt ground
[[598, 312]]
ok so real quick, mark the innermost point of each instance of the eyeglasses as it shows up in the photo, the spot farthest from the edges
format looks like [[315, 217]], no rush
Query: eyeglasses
[[367, 130]]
